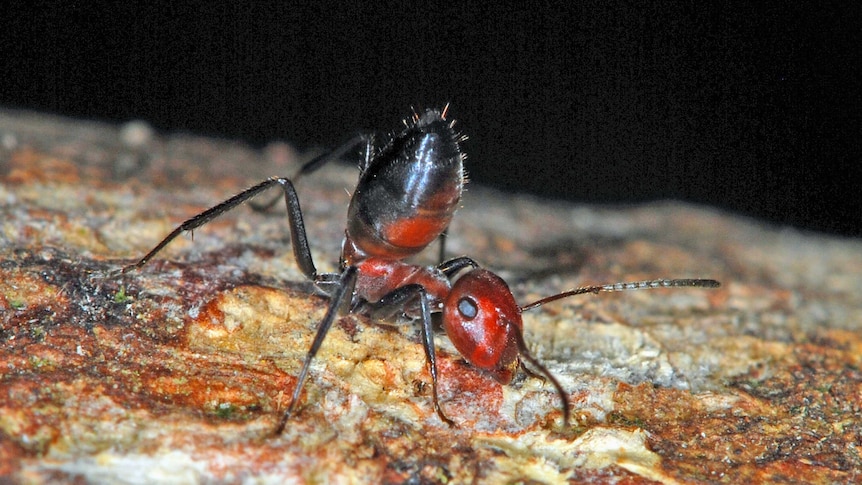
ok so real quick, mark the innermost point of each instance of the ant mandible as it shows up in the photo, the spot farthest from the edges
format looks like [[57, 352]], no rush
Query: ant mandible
[[408, 191]]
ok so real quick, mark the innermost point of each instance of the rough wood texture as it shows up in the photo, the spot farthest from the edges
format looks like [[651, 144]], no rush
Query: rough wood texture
[[177, 372]]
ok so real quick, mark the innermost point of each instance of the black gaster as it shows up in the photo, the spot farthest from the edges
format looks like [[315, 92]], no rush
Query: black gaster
[[409, 191]]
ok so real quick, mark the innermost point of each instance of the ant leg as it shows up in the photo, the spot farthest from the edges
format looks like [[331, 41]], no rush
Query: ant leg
[[264, 206], [328, 282], [337, 304], [392, 302], [525, 354], [321, 160], [315, 163], [531, 372], [451, 267], [301, 250], [397, 298], [442, 238]]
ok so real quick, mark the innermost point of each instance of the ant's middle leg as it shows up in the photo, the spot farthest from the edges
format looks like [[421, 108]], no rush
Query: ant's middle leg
[[301, 250], [338, 304], [397, 299]]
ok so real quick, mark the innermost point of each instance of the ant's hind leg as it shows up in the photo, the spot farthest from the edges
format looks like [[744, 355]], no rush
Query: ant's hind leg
[[319, 161], [315, 163], [297, 228]]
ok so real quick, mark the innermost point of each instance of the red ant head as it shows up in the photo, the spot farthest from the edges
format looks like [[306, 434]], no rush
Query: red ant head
[[481, 318]]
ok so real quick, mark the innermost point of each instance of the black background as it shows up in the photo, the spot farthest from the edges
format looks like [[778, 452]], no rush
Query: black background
[[754, 108]]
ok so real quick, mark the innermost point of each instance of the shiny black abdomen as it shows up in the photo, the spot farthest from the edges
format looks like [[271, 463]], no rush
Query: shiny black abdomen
[[408, 192]]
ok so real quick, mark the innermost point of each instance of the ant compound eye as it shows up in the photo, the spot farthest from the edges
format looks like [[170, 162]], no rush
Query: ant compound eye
[[467, 308]]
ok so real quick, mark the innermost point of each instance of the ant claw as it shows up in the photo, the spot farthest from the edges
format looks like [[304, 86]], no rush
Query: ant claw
[[104, 274], [443, 416]]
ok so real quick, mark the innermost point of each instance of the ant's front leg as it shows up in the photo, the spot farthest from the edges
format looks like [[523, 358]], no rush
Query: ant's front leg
[[301, 250], [398, 298], [542, 372], [451, 267]]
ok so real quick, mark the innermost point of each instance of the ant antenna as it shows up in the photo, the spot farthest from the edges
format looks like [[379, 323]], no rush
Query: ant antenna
[[632, 285]]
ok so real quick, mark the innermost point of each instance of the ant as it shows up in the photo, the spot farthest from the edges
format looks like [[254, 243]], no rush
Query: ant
[[408, 191]]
